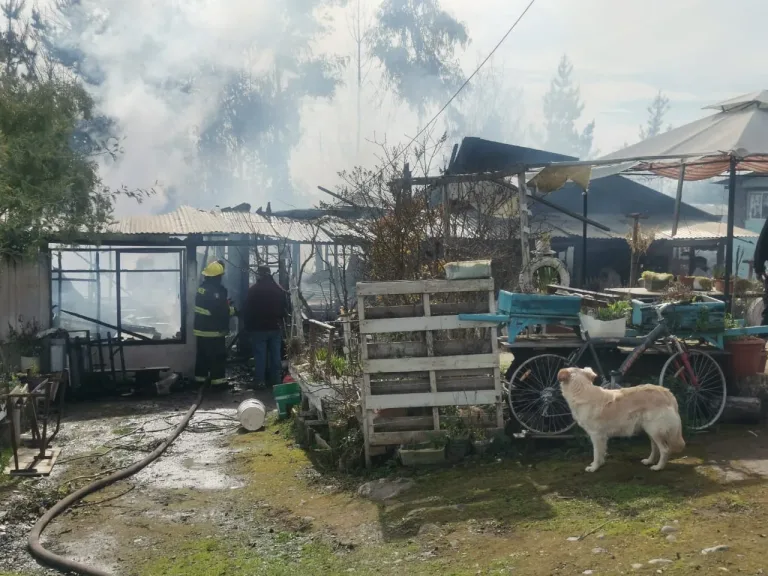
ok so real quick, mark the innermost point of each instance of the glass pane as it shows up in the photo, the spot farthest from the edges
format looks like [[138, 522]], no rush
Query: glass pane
[[85, 261], [130, 261], [150, 304], [81, 297]]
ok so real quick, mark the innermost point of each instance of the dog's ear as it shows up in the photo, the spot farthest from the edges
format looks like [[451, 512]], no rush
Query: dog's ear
[[564, 375], [589, 373]]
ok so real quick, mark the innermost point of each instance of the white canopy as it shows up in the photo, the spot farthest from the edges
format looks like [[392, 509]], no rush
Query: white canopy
[[705, 146]]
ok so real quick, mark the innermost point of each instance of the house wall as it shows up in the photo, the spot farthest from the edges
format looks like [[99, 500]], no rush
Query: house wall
[[25, 291]]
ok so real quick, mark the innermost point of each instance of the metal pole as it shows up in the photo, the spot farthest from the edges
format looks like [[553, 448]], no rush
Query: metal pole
[[678, 199], [583, 280], [522, 201], [729, 233]]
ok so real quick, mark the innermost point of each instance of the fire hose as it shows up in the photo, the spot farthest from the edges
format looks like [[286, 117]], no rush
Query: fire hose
[[66, 565]]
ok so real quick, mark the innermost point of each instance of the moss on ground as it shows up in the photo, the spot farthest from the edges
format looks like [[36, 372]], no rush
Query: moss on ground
[[491, 516]]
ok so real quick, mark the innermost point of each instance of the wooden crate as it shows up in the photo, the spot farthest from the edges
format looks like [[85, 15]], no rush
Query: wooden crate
[[413, 358]]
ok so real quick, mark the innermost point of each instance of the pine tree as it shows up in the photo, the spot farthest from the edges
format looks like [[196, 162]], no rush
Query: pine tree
[[562, 108], [656, 112]]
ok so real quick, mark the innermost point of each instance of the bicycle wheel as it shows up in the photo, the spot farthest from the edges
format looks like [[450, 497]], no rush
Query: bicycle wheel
[[701, 405], [535, 397]]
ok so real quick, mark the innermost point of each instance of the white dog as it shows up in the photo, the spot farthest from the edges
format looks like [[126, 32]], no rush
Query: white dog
[[608, 414]]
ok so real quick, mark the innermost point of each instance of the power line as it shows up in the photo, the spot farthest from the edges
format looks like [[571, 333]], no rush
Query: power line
[[464, 85]]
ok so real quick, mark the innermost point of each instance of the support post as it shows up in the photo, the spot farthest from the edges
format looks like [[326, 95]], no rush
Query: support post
[[583, 271], [522, 201], [678, 199], [729, 232], [446, 220]]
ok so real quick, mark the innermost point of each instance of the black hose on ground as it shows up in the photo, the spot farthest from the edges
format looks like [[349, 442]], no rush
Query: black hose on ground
[[64, 564]]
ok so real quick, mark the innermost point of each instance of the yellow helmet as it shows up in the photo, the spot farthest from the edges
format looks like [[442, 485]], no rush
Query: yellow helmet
[[215, 268]]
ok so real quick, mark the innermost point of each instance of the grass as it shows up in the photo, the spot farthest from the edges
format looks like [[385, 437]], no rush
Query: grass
[[492, 516]]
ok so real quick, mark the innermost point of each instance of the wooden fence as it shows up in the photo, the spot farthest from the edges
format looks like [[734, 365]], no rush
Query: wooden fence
[[417, 357]]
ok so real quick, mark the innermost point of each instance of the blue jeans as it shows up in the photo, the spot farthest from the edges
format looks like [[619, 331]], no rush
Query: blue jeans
[[266, 356]]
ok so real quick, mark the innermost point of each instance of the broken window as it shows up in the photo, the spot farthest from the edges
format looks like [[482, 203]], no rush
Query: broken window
[[131, 293]]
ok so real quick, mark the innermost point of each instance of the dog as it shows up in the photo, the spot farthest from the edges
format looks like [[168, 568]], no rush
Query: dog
[[605, 414]]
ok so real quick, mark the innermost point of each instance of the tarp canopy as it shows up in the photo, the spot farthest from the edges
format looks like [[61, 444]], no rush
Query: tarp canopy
[[705, 146]]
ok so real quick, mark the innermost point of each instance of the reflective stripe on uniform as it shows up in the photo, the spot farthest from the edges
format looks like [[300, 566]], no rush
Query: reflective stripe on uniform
[[203, 311], [201, 378], [206, 334], [231, 310], [219, 381], [201, 290]]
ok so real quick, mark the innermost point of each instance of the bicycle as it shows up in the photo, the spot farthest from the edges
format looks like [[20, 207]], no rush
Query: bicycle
[[693, 376]]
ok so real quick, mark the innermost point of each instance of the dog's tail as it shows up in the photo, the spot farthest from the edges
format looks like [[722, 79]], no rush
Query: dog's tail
[[675, 440]]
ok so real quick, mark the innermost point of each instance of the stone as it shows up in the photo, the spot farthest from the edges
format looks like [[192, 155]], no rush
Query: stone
[[657, 561], [573, 538], [671, 538], [636, 566], [600, 536], [668, 529], [384, 489], [588, 572], [430, 531], [599, 550], [713, 549]]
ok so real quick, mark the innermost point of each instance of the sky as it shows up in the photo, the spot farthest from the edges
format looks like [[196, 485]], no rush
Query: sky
[[623, 52]]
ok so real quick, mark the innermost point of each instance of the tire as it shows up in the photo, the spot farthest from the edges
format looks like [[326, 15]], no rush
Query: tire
[[535, 398], [700, 407]]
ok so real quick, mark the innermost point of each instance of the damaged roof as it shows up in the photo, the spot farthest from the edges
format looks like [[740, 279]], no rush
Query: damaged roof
[[186, 220]]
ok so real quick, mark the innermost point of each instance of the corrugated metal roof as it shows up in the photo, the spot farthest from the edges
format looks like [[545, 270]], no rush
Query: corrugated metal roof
[[561, 226], [187, 220]]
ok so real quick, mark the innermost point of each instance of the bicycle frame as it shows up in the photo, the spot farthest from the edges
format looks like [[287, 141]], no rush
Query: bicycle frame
[[660, 332]]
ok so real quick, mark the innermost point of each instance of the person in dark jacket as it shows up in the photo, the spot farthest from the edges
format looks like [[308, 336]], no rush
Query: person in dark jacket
[[265, 309], [212, 312]]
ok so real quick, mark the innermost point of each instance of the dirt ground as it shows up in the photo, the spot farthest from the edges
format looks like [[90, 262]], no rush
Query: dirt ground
[[222, 502]]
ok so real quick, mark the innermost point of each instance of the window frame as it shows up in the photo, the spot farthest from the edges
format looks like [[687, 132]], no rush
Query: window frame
[[180, 252]]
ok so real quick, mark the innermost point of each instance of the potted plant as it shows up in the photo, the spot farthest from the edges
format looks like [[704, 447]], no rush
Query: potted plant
[[718, 273], [655, 281], [702, 283], [26, 343], [747, 354], [686, 280], [608, 322]]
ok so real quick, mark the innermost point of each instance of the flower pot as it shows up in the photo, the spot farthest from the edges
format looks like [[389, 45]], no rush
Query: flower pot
[[747, 356], [457, 449], [416, 457], [687, 280], [30, 363], [601, 328], [656, 285], [720, 285]]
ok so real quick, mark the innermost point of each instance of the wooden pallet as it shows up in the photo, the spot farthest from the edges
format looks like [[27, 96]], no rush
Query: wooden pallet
[[402, 373], [28, 466]]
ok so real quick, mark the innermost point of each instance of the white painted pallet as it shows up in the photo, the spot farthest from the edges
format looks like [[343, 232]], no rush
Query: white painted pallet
[[458, 379]]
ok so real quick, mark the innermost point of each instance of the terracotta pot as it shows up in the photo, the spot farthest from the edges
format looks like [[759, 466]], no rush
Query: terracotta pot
[[686, 280], [747, 356], [719, 284]]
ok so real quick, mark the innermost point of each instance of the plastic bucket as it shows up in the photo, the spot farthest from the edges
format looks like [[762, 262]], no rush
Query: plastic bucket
[[251, 413], [286, 395]]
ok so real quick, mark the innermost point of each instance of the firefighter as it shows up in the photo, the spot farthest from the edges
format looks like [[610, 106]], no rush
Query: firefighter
[[212, 313]]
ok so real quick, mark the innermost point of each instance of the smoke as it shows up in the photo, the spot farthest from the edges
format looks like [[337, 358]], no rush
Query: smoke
[[158, 69]]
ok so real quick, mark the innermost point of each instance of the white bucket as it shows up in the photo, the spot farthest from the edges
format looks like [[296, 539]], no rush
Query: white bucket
[[251, 414]]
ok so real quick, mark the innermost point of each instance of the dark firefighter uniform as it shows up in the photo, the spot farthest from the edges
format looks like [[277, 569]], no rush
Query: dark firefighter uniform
[[212, 312]]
